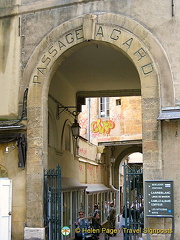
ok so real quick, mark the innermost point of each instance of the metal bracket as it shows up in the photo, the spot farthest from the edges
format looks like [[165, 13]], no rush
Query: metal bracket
[[61, 108]]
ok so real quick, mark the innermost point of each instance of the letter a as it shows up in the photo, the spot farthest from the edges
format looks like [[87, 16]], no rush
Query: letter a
[[128, 42], [100, 32]]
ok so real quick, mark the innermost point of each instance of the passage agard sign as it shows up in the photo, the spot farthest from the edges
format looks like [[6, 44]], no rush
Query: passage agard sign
[[159, 198]]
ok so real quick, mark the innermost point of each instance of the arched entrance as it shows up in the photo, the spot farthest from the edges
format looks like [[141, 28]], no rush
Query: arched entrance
[[123, 34]]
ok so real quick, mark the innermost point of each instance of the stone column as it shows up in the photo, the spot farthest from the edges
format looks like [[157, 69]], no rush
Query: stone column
[[36, 162]]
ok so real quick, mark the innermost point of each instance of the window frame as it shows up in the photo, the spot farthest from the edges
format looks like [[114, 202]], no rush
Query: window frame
[[104, 107]]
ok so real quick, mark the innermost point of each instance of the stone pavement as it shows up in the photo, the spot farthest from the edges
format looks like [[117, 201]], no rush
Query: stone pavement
[[119, 235]]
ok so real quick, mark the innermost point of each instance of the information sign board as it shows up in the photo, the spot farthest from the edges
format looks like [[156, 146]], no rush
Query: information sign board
[[159, 198]]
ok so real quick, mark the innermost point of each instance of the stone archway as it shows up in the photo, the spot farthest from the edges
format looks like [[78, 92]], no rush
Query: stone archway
[[156, 86], [123, 154]]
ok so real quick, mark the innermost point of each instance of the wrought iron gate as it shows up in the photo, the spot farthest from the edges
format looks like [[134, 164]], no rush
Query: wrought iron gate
[[133, 201], [52, 203]]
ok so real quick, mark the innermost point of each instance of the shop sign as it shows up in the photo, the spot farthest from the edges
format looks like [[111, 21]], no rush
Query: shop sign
[[159, 199]]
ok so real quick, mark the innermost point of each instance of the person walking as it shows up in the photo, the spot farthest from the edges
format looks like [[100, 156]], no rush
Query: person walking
[[125, 221], [96, 224], [112, 217], [96, 210], [81, 225]]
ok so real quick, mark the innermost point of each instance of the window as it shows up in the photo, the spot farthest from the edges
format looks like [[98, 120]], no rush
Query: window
[[104, 107], [118, 102], [66, 208], [68, 135]]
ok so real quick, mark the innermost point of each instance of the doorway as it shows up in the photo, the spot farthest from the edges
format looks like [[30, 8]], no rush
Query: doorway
[[5, 208]]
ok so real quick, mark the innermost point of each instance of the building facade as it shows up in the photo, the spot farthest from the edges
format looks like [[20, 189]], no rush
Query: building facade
[[54, 54], [111, 119]]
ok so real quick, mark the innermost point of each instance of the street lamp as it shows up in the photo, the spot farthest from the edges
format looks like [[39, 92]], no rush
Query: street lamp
[[75, 129]]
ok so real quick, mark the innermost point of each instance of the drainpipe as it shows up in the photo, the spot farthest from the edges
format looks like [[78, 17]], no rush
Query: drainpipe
[[89, 120], [172, 8], [110, 178], [113, 188]]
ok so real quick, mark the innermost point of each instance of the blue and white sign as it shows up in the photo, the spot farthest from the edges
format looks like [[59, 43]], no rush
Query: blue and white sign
[[159, 198]]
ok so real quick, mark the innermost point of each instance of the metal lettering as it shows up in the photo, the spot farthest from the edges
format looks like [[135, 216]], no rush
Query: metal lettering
[[46, 60], [100, 32], [54, 51], [128, 42], [69, 40], [61, 44], [41, 70], [35, 79], [79, 33], [114, 35], [140, 53], [147, 69]]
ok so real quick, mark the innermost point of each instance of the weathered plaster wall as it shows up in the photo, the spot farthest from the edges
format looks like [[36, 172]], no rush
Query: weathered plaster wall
[[9, 67], [9, 3], [171, 164], [57, 152], [18, 176]]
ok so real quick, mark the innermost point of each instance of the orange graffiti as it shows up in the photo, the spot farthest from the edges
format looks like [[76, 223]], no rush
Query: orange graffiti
[[102, 126]]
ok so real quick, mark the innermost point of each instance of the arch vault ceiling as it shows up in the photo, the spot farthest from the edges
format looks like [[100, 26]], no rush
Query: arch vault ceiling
[[98, 67]]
